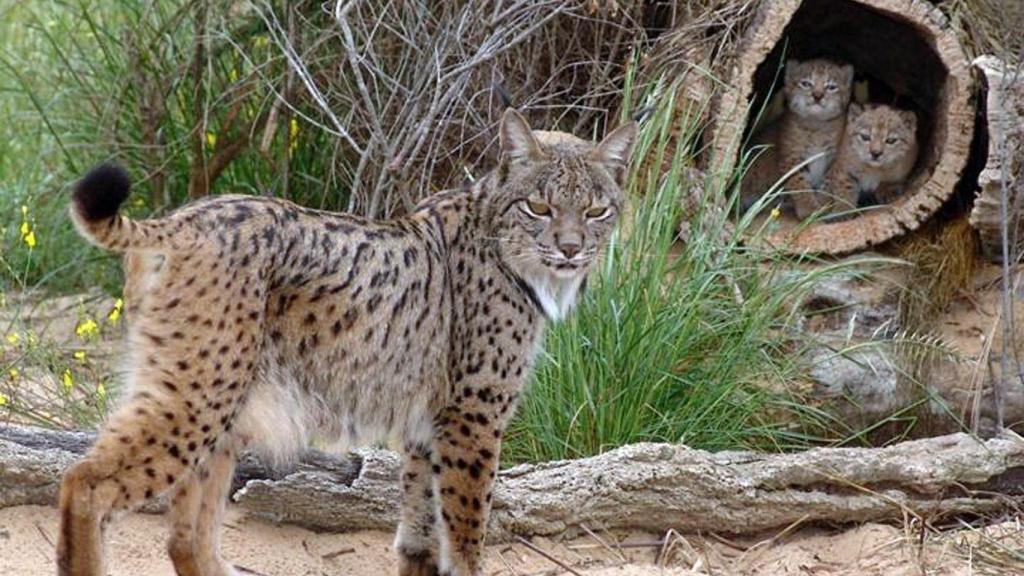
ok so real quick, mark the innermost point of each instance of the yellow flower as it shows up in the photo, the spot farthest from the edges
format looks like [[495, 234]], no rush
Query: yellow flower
[[80, 355], [13, 373], [101, 391], [293, 136], [13, 338], [261, 41], [233, 75], [25, 228], [69, 383], [115, 314], [30, 239], [24, 210], [87, 328], [776, 213], [3, 400], [139, 202], [211, 139]]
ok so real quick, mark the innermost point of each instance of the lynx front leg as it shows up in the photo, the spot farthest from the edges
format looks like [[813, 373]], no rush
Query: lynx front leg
[[806, 199], [465, 464], [416, 543], [845, 190]]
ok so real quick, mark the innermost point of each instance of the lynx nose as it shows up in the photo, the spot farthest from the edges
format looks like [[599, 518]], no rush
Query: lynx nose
[[818, 95], [876, 154], [569, 249]]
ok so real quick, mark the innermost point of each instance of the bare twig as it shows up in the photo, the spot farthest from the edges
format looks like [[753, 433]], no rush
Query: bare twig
[[548, 556], [199, 185]]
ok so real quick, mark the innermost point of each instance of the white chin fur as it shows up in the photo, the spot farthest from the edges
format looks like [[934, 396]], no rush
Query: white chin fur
[[555, 292]]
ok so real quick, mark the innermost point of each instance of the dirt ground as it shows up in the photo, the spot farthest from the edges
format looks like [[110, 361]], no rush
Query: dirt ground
[[136, 544]]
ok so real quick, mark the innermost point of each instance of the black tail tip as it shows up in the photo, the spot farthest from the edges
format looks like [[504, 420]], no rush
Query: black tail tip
[[101, 192]]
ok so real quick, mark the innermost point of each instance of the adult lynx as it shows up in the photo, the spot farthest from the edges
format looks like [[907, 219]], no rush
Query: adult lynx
[[258, 323]]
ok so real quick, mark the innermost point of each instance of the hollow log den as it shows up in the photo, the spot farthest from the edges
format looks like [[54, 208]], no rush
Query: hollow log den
[[905, 55]]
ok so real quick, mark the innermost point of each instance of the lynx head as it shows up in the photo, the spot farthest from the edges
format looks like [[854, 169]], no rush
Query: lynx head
[[556, 200], [881, 135], [818, 89]]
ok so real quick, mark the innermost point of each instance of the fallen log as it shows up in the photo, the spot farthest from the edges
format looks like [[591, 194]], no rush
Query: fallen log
[[651, 487]]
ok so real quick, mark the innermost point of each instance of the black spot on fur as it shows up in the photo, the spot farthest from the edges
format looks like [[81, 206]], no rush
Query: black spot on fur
[[101, 192]]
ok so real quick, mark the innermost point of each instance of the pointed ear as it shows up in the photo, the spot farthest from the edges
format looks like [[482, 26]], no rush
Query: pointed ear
[[790, 70], [909, 118], [615, 149], [855, 110], [516, 139], [847, 71]]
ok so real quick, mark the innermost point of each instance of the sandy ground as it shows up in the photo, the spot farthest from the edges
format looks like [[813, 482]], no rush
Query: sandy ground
[[136, 544]]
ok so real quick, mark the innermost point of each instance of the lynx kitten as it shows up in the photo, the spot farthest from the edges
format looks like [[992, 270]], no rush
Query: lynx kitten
[[817, 93], [878, 151], [259, 323]]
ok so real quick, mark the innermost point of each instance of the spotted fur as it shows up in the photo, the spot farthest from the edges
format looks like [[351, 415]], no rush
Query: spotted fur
[[877, 154], [256, 323], [817, 94]]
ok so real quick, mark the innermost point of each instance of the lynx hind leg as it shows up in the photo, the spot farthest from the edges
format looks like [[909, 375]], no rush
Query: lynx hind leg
[[196, 512], [130, 463], [416, 542], [194, 359]]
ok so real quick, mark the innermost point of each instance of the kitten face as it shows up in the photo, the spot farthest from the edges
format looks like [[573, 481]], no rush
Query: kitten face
[[818, 89], [880, 135], [558, 198]]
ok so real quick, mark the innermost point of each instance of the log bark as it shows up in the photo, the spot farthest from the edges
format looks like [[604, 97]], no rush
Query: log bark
[[908, 46], [651, 487], [1004, 165]]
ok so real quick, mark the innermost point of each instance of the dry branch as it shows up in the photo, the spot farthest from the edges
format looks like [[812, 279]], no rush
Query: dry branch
[[406, 86], [646, 486]]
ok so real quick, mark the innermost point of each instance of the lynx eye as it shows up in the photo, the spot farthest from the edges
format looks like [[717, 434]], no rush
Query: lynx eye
[[537, 209], [805, 84], [864, 136], [597, 213], [892, 140], [832, 86]]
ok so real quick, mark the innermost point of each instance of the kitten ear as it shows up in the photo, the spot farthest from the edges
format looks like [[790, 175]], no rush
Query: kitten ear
[[909, 118], [791, 66], [847, 73], [855, 110], [615, 149], [517, 141]]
